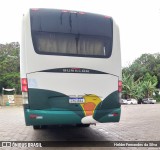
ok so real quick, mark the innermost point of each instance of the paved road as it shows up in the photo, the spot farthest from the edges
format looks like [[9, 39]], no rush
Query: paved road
[[138, 122]]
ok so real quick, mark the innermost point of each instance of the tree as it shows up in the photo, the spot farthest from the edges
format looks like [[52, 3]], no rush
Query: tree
[[9, 66], [149, 85], [141, 77], [139, 90], [131, 88], [146, 63], [128, 85]]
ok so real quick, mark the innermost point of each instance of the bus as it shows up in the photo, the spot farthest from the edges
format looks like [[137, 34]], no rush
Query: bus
[[70, 64]]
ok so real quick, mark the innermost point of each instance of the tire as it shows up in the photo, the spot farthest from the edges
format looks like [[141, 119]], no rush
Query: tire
[[83, 125], [35, 127]]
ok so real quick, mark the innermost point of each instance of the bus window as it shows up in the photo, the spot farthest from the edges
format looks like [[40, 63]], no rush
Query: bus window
[[71, 44]]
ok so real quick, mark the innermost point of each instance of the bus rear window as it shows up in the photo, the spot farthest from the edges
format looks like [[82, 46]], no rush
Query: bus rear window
[[71, 44]]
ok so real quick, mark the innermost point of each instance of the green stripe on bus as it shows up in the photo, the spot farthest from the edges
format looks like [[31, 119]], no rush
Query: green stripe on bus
[[46, 99], [109, 103]]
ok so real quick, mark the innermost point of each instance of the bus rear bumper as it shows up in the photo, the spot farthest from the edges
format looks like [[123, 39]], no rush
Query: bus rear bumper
[[49, 117]]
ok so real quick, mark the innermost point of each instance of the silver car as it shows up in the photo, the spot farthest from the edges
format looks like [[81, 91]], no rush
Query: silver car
[[148, 101]]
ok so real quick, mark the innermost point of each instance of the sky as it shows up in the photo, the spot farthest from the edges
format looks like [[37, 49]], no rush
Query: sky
[[138, 21]]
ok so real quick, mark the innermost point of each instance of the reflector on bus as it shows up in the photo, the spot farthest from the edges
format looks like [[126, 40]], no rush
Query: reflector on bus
[[24, 85], [119, 86]]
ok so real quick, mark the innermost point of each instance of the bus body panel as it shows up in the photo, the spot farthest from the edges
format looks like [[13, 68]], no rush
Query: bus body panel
[[54, 117], [74, 83]]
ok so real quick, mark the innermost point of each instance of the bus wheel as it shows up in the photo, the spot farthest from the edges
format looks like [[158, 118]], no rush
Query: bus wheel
[[39, 127], [83, 125]]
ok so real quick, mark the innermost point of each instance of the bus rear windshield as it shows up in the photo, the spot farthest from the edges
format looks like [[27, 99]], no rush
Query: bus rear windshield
[[50, 43]]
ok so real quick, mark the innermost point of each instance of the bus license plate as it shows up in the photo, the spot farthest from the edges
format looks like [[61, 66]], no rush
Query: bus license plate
[[76, 100]]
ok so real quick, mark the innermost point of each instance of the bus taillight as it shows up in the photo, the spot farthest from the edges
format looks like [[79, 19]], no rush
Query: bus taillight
[[24, 85], [119, 86]]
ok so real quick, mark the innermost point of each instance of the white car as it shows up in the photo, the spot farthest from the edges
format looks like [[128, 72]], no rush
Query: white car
[[132, 101], [123, 101]]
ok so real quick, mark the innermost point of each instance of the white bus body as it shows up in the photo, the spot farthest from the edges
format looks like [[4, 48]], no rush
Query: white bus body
[[62, 82]]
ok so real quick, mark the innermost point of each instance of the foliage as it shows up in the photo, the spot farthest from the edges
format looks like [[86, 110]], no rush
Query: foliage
[[142, 78], [128, 85], [143, 87], [9, 66], [146, 63]]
